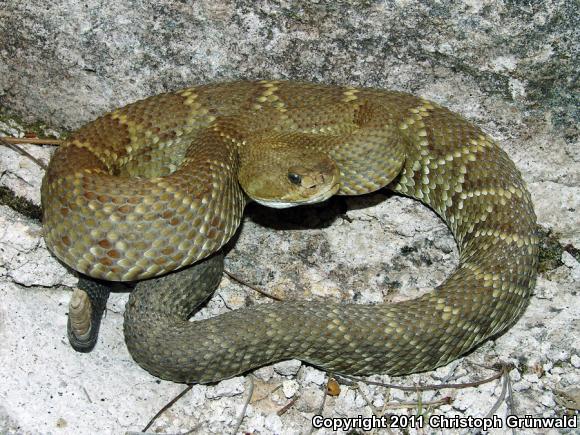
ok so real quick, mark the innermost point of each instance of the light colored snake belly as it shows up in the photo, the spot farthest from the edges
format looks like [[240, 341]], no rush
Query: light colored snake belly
[[159, 185]]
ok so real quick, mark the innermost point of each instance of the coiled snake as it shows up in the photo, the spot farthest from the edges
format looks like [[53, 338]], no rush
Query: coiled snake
[[162, 183]]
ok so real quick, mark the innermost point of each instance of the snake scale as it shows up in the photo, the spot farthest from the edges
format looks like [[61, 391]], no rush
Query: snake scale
[[162, 183]]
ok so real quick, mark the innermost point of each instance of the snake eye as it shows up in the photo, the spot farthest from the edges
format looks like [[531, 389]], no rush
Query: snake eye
[[294, 178]]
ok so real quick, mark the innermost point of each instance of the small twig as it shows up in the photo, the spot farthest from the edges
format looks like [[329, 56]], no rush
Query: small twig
[[166, 407], [192, 430], [366, 399], [31, 140], [286, 407], [22, 151], [510, 400], [321, 408], [371, 406], [438, 402], [498, 402], [501, 397], [510, 397], [244, 409], [452, 369], [504, 369], [87, 394], [384, 408], [419, 402], [253, 287]]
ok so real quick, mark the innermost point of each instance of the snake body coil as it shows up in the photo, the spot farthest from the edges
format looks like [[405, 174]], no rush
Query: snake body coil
[[162, 183]]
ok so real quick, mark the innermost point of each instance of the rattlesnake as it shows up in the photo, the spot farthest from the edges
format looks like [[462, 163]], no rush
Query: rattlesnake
[[162, 183]]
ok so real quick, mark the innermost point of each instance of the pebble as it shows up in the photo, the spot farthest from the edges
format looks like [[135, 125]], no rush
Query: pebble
[[547, 400], [556, 355], [228, 388], [310, 374], [264, 373], [273, 424], [349, 402], [290, 387], [310, 399], [24, 256], [287, 368], [531, 378], [572, 263]]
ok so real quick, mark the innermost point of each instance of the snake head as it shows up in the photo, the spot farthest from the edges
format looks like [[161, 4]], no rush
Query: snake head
[[285, 174]]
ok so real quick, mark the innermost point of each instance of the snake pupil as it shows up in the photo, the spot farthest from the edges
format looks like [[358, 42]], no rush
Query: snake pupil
[[294, 178]]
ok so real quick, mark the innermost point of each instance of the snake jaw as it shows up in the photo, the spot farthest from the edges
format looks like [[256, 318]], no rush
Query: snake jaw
[[321, 196]]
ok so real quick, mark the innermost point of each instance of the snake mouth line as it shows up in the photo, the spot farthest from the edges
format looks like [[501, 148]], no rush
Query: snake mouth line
[[321, 197]]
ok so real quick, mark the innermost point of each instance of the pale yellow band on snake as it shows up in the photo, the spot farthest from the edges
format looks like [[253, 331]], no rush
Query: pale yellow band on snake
[[162, 183]]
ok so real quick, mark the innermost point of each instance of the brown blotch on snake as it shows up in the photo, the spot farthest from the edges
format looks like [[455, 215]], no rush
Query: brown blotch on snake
[[188, 162]]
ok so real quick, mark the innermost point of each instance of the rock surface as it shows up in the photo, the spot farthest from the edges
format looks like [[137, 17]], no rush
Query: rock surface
[[510, 67]]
